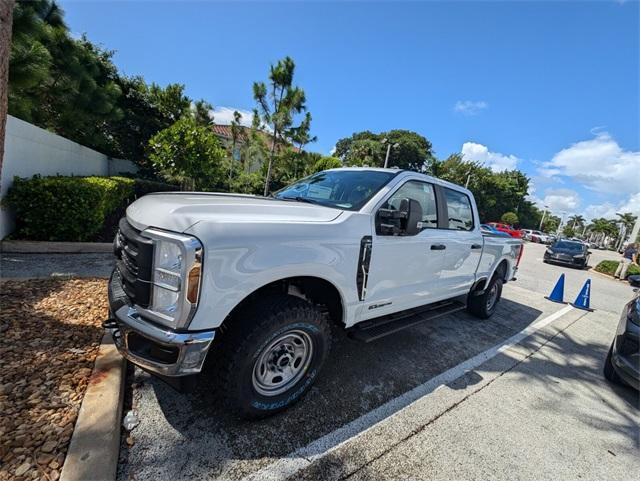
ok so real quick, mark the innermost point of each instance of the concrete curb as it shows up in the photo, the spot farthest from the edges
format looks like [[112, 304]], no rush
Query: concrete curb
[[37, 247], [95, 444]]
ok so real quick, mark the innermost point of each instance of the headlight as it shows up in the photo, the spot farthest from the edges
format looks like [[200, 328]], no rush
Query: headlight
[[177, 270], [579, 256], [549, 251]]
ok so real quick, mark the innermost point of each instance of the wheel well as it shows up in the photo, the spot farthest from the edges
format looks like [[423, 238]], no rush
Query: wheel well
[[313, 289], [501, 270]]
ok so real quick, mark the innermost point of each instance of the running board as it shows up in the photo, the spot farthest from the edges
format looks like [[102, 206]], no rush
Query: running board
[[374, 329]]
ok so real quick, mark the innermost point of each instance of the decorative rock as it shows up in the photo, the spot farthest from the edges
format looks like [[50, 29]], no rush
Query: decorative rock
[[48, 446], [22, 469]]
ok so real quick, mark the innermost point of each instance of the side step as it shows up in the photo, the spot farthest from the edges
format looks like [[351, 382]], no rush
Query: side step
[[374, 329]]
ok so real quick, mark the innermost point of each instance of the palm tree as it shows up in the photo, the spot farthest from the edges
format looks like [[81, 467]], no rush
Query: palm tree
[[576, 221], [627, 219]]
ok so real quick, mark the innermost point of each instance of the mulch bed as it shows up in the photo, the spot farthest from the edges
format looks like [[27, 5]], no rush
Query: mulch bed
[[50, 330]]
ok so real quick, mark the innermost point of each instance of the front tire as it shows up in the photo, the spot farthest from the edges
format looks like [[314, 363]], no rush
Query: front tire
[[484, 305], [609, 371], [272, 357]]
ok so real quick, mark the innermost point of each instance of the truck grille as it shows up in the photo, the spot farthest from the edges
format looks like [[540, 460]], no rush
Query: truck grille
[[134, 261]]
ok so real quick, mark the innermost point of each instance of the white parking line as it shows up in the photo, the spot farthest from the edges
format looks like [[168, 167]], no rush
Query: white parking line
[[301, 458]]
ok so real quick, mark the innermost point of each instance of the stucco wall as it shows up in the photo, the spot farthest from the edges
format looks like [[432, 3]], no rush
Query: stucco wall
[[30, 150]]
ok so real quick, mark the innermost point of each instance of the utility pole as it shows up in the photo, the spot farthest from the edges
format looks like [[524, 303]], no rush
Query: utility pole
[[389, 145]]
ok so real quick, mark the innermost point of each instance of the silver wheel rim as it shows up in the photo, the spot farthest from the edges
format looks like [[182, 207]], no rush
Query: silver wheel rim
[[282, 363], [493, 296]]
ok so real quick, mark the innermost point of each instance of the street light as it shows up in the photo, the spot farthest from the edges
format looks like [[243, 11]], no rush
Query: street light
[[544, 213], [389, 145], [561, 222]]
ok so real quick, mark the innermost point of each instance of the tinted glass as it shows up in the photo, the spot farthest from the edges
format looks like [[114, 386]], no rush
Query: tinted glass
[[573, 246], [343, 189], [424, 194], [459, 210]]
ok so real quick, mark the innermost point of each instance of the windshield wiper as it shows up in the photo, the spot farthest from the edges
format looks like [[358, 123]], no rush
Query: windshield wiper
[[302, 199]]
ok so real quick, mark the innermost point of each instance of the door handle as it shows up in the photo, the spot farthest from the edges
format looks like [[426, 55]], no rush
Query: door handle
[[438, 247], [476, 246]]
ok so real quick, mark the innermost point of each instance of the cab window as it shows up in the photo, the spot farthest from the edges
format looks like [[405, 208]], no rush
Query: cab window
[[459, 210], [424, 193]]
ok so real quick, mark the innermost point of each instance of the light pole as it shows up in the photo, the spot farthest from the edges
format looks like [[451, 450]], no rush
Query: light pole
[[389, 145], [560, 224], [544, 213]]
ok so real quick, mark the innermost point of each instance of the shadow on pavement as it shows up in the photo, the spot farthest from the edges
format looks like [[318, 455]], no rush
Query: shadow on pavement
[[356, 379]]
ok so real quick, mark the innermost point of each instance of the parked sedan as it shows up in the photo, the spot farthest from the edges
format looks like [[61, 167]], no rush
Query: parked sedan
[[507, 228], [575, 254], [622, 364], [487, 229]]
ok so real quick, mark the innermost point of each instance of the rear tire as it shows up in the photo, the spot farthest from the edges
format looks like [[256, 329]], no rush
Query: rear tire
[[484, 305], [272, 355], [609, 371]]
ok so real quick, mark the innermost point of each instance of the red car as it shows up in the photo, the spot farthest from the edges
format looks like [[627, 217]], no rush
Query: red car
[[508, 229]]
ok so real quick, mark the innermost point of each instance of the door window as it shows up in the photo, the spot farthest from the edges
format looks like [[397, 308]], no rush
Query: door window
[[422, 192], [459, 210]]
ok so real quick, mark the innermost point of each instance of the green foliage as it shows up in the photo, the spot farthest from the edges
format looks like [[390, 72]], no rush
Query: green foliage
[[71, 87], [409, 150], [188, 154], [568, 231], [72, 208], [510, 218], [551, 224], [495, 192], [65, 208], [57, 82], [609, 267], [325, 163]]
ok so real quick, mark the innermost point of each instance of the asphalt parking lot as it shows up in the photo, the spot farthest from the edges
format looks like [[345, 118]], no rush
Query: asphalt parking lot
[[519, 396]]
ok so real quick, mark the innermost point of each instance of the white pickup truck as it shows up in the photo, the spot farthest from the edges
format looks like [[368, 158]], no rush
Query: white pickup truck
[[254, 285]]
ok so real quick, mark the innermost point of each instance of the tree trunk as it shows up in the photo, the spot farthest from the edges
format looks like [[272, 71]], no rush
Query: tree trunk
[[267, 180], [6, 21]]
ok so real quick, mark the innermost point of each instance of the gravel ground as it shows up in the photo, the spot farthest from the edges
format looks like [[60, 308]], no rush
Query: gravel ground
[[50, 331]]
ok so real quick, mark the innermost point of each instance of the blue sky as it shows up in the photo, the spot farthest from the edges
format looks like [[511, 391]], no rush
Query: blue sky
[[550, 88]]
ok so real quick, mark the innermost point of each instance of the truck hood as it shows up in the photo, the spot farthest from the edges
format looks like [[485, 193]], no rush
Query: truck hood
[[177, 211]]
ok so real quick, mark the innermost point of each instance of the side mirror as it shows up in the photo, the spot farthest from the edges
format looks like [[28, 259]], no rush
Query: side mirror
[[589, 252], [413, 218], [634, 280], [404, 220]]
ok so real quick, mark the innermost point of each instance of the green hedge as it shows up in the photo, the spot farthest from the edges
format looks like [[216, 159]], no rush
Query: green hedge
[[609, 267], [71, 208]]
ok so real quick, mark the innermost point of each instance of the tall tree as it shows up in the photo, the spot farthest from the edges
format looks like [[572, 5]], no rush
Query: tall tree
[[6, 22], [278, 103]]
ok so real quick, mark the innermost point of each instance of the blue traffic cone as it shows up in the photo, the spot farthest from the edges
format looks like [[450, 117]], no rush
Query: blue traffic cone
[[582, 301], [557, 294]]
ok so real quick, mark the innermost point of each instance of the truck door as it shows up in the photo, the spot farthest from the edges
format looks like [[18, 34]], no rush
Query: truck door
[[464, 242], [404, 270]]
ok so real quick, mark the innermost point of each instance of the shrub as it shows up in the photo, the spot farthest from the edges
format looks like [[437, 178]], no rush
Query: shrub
[[609, 267], [510, 218], [72, 208]]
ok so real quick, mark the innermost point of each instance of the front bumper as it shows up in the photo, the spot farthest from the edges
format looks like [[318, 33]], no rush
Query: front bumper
[[159, 350], [565, 261]]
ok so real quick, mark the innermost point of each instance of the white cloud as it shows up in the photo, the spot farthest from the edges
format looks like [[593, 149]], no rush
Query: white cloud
[[224, 116], [470, 107], [496, 161], [599, 164], [561, 200], [608, 210]]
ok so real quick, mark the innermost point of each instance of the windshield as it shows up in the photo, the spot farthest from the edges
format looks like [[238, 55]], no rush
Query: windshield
[[343, 189], [572, 246]]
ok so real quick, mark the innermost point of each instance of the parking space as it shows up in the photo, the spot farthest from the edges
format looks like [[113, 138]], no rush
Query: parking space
[[191, 436]]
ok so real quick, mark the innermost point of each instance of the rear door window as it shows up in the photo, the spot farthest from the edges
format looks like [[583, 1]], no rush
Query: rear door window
[[459, 210]]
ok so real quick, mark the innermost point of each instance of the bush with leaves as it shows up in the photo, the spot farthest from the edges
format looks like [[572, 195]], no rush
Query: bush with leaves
[[188, 154], [510, 218], [73, 208], [65, 208], [609, 268]]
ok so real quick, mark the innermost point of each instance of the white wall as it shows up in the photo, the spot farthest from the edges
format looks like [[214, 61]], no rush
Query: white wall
[[30, 150]]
